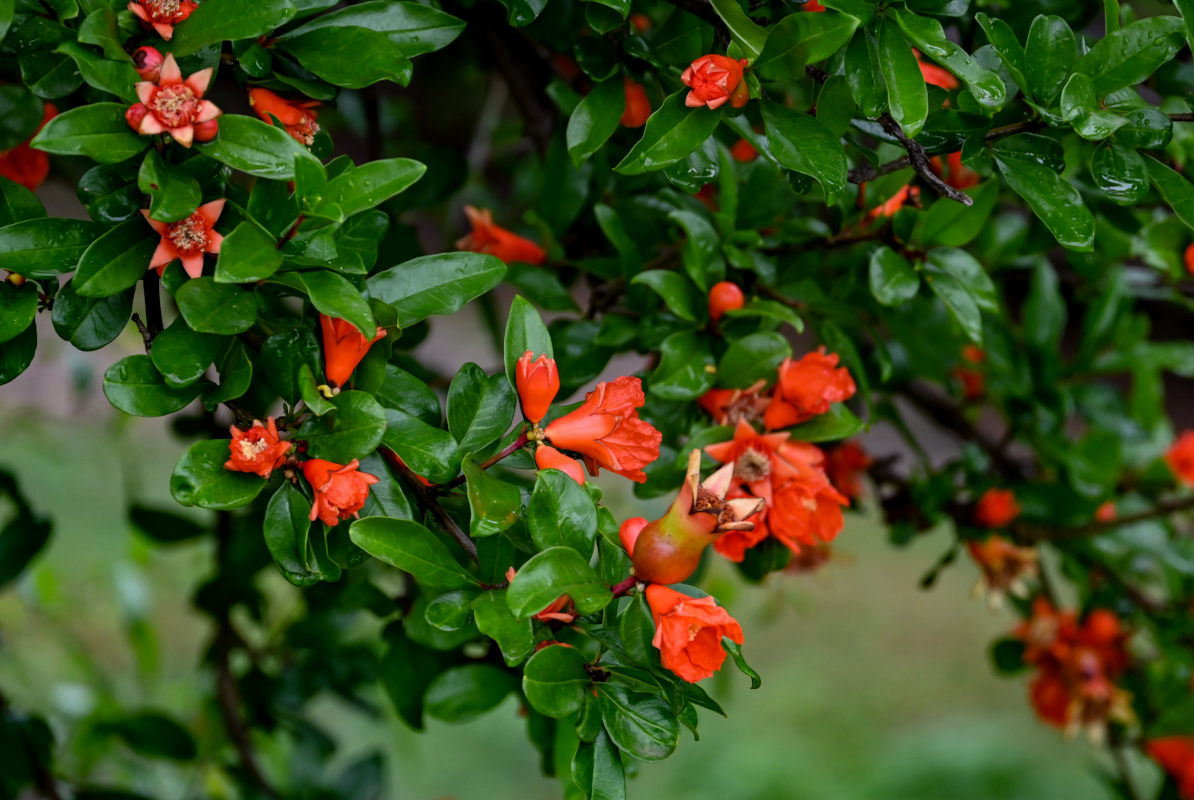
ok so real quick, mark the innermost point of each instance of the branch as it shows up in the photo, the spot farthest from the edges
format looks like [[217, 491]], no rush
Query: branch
[[517, 444], [1163, 509], [146, 336], [920, 162], [229, 700], [426, 498], [153, 303]]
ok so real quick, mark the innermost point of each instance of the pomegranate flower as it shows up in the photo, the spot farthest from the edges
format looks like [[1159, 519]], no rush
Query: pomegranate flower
[[806, 388], [537, 381], [148, 63], [492, 239], [688, 632], [187, 239], [638, 107], [298, 117], [162, 15], [1175, 754], [996, 508], [547, 457], [1004, 569], [728, 406], [714, 79], [1180, 458], [343, 348], [257, 450], [23, 164], [175, 106], [340, 491], [607, 431]]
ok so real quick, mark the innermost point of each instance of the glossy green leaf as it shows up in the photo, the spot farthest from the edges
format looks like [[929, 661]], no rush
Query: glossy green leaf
[[210, 307], [686, 368], [250, 145], [463, 692], [117, 260], [429, 451], [247, 255], [524, 331], [555, 681], [801, 39], [135, 386], [480, 407], [17, 203], [332, 295], [1048, 57], [412, 548], [753, 357], [436, 284], [46, 247], [514, 636], [18, 307], [893, 280], [90, 323], [640, 724], [215, 21], [676, 291], [182, 355], [907, 98], [173, 193], [17, 354], [371, 184], [927, 34], [960, 303], [494, 503], [948, 222], [96, 130], [803, 144], [561, 514], [1120, 173], [1177, 191], [672, 132], [353, 430], [286, 527], [554, 572], [839, 422], [199, 478], [595, 119], [1132, 54], [744, 32], [1052, 198]]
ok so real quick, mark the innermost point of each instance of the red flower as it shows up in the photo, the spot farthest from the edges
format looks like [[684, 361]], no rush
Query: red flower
[[560, 610], [343, 348], [23, 164], [813, 5], [340, 491], [492, 239], [1106, 512], [172, 105], [1004, 567], [845, 465], [806, 388], [688, 632], [728, 406], [894, 203], [1175, 754], [734, 544], [723, 297], [187, 239], [936, 76], [257, 450], [538, 382], [997, 508], [974, 383], [547, 457], [714, 79], [744, 151], [638, 107], [162, 15], [957, 176], [298, 117], [1188, 258], [148, 63], [1180, 458], [607, 431], [640, 22]]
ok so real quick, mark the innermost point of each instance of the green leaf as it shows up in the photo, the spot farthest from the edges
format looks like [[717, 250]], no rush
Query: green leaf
[[672, 132], [435, 285], [513, 636], [114, 77], [524, 331], [595, 119], [90, 323], [480, 407], [371, 184], [1176, 190], [685, 370], [20, 114], [561, 514], [199, 478], [460, 693], [427, 450], [893, 280], [1120, 173], [18, 307], [907, 98], [638, 723], [173, 194], [959, 302], [117, 260], [928, 35], [451, 611], [597, 769], [134, 386], [495, 504], [154, 735], [867, 85], [735, 651], [217, 21], [95, 130], [250, 145], [555, 681], [405, 671], [249, 254], [752, 357], [969, 273], [403, 391], [523, 12], [554, 572], [18, 204], [802, 143], [676, 291], [1053, 199], [801, 39], [744, 31], [235, 374], [1132, 54], [332, 295], [839, 422], [412, 548], [353, 431], [701, 251], [948, 222], [1184, 7], [286, 528], [210, 307], [17, 354], [45, 247], [1007, 47], [182, 355], [1044, 312], [1048, 57]]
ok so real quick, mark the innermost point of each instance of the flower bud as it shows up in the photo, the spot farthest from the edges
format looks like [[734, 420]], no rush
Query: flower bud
[[135, 114], [206, 131], [638, 107], [148, 63], [538, 382], [547, 457], [714, 79], [723, 297]]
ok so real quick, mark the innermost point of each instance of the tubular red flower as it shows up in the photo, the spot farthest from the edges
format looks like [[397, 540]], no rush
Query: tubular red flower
[[492, 239], [728, 406], [935, 75], [340, 490], [257, 450], [1180, 458], [715, 79], [607, 431], [547, 457], [162, 15], [996, 508], [187, 239], [343, 348], [688, 632], [1175, 755], [298, 117], [806, 388], [538, 382], [744, 151], [638, 107], [173, 105], [892, 204], [23, 164]]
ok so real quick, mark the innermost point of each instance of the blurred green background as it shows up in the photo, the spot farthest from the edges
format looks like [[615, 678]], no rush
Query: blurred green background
[[872, 688]]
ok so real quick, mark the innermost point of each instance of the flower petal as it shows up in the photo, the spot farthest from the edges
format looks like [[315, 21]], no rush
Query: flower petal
[[145, 91], [170, 71], [211, 211], [208, 111], [199, 81], [184, 134], [151, 125]]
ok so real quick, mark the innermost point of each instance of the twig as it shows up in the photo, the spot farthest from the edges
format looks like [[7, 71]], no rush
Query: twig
[[426, 498], [517, 444], [1163, 509], [146, 336], [153, 303], [920, 162], [229, 700]]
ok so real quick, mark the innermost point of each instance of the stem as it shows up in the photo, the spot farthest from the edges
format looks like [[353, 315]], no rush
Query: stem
[[1163, 509], [153, 302], [426, 498], [517, 444], [146, 336], [624, 587], [920, 162]]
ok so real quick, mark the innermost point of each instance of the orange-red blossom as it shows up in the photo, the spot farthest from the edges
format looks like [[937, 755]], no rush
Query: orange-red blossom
[[162, 15], [688, 632], [343, 348], [297, 116], [340, 490], [996, 508], [258, 450], [175, 106], [1175, 754], [806, 388], [537, 381], [492, 239], [25, 165], [607, 432], [715, 79], [638, 107], [188, 239], [1004, 566], [1180, 458]]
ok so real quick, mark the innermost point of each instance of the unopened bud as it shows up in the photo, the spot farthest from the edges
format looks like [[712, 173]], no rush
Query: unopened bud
[[148, 63]]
